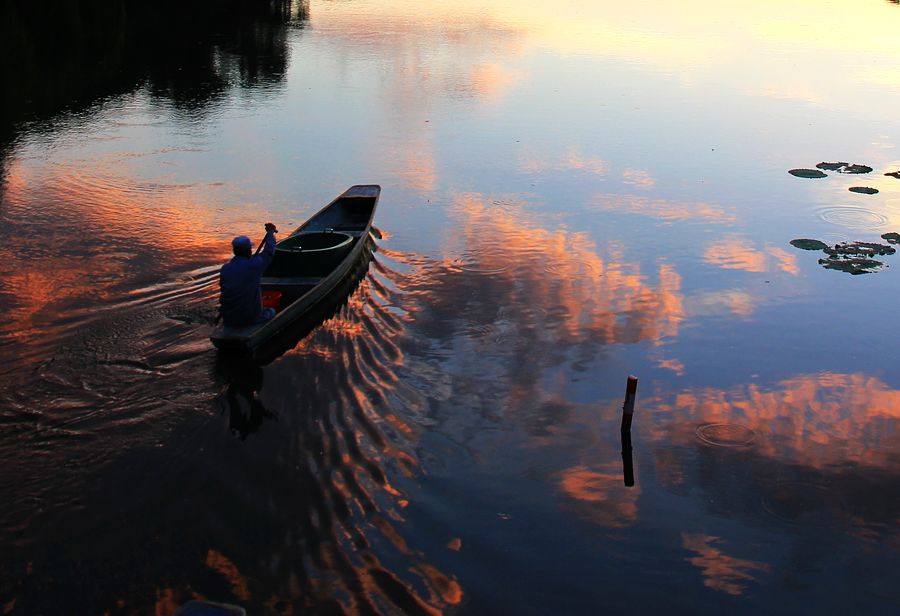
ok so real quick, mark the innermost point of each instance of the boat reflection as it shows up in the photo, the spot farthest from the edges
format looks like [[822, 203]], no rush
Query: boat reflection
[[243, 373], [245, 410]]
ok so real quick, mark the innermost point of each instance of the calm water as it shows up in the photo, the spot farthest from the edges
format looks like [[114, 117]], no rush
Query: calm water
[[572, 192]]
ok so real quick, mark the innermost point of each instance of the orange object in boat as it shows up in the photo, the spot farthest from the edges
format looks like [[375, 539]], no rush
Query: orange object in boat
[[271, 299]]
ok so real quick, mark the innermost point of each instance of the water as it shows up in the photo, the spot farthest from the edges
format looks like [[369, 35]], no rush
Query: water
[[571, 193]]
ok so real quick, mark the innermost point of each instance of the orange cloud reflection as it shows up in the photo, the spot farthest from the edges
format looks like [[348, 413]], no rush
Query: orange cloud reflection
[[638, 177], [720, 571], [530, 161], [737, 253], [586, 295], [814, 420], [111, 231], [663, 209], [600, 496]]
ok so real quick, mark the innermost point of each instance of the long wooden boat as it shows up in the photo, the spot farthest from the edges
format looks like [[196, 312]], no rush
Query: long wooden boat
[[308, 264]]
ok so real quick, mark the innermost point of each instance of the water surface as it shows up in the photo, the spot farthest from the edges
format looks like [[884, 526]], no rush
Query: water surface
[[571, 193]]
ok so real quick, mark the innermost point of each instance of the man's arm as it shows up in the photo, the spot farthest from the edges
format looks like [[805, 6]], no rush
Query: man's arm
[[263, 259]]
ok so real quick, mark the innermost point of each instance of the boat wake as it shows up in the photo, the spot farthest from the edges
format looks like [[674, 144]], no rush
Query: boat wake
[[286, 480]]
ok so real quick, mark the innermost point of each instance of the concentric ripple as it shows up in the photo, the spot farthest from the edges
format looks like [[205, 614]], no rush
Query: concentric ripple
[[851, 216], [476, 267], [726, 435], [558, 267]]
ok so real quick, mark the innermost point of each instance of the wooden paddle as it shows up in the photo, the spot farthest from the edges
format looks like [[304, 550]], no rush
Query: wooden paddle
[[274, 229], [261, 244]]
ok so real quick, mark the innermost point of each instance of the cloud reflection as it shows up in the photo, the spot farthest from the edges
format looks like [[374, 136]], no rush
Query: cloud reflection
[[809, 419], [599, 495], [113, 236], [720, 571], [664, 209], [549, 282], [737, 253]]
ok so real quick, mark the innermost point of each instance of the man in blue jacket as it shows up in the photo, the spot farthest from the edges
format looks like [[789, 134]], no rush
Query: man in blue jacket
[[239, 279]]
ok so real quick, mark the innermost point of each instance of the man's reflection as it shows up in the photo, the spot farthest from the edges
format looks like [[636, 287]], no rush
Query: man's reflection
[[244, 379]]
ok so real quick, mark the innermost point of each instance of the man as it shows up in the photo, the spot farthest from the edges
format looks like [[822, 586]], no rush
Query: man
[[241, 301]]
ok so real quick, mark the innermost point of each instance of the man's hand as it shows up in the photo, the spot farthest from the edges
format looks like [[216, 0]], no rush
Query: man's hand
[[270, 228]]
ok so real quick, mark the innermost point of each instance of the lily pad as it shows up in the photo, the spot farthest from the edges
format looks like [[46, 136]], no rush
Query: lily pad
[[894, 174], [806, 244], [860, 249], [865, 190], [892, 238], [831, 166], [807, 173], [855, 169], [853, 266]]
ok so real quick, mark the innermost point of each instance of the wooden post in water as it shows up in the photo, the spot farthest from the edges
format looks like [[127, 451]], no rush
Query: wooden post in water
[[628, 406], [627, 414], [627, 463]]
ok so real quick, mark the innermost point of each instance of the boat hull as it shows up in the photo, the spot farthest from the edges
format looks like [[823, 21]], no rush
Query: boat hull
[[305, 282]]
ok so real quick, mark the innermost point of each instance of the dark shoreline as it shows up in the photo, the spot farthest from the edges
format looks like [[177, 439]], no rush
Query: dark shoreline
[[63, 56]]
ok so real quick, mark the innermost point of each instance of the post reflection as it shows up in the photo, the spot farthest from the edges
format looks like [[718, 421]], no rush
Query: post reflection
[[627, 459]]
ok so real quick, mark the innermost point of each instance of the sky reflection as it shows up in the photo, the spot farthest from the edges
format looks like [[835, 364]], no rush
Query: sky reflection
[[572, 193], [816, 420], [720, 571]]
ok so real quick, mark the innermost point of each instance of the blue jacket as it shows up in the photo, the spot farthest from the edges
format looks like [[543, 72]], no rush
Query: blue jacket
[[241, 301]]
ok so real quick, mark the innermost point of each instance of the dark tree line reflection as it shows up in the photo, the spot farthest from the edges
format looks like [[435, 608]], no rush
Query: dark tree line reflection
[[66, 55]]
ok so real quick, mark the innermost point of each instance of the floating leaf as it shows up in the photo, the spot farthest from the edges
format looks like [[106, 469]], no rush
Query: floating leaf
[[831, 166], [894, 174], [855, 169], [852, 266], [806, 244], [860, 249], [865, 190], [892, 238], [807, 173]]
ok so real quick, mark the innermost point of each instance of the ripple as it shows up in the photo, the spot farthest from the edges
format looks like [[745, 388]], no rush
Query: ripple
[[99, 190], [726, 435], [801, 502], [851, 216], [480, 331], [560, 267], [477, 268], [506, 205]]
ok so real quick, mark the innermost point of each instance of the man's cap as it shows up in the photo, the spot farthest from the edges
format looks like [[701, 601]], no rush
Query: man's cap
[[241, 241]]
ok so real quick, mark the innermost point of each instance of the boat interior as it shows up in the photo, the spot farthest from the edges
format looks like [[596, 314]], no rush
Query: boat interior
[[313, 250]]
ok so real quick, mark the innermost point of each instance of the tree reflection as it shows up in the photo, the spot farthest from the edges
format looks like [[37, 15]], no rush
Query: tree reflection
[[65, 55]]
